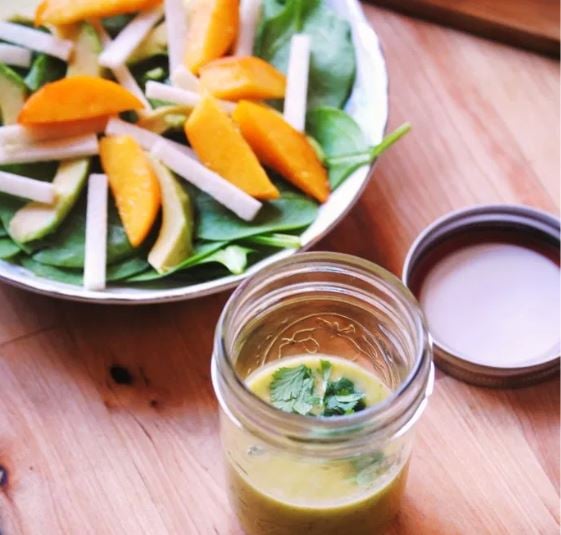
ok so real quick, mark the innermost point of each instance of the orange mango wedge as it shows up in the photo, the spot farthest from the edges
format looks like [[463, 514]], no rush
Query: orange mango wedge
[[238, 78], [69, 11], [220, 146], [282, 148], [213, 28], [134, 185], [79, 97]]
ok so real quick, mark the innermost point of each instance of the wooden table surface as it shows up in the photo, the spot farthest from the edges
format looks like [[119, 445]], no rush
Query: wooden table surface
[[82, 452]]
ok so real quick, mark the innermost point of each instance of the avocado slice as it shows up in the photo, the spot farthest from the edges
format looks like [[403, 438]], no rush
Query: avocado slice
[[14, 93], [165, 118], [154, 44], [175, 241], [35, 220], [87, 47]]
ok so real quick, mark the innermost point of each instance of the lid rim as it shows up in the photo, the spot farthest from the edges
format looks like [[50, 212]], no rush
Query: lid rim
[[479, 217]]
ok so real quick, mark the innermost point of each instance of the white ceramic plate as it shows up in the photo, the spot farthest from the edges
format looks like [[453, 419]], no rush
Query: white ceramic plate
[[369, 107]]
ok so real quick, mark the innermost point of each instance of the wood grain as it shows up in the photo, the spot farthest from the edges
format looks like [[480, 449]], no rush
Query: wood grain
[[108, 424], [531, 24]]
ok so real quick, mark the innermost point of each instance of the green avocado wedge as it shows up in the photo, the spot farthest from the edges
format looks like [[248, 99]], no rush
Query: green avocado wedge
[[87, 47], [14, 93], [175, 241], [155, 44], [35, 220]]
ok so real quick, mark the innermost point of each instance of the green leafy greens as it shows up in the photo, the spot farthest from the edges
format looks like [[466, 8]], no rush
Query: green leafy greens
[[301, 391], [333, 61], [343, 142], [291, 212]]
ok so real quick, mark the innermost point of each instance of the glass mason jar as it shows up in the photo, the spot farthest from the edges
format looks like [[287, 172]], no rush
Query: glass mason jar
[[290, 474]]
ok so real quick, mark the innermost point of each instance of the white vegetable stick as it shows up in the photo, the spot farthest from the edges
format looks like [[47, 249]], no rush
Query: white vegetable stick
[[145, 138], [126, 79], [16, 134], [296, 98], [176, 95], [15, 55], [43, 151], [28, 188], [236, 200], [176, 27], [250, 11], [184, 79], [96, 233], [36, 40], [118, 51], [122, 73]]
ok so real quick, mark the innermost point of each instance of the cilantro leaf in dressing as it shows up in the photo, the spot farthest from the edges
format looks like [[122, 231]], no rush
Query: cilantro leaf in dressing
[[295, 390]]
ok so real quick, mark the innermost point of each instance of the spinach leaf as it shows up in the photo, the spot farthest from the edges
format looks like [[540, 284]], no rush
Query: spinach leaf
[[68, 276], [127, 268], [338, 134], [114, 25], [8, 248], [65, 248], [116, 272], [216, 223], [343, 143], [232, 257], [333, 61], [200, 252], [278, 241], [44, 69]]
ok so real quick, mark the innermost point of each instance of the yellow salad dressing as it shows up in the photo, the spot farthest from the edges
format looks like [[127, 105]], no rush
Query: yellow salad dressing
[[277, 493]]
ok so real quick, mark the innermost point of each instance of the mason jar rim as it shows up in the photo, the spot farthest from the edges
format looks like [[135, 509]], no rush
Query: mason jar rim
[[334, 428]]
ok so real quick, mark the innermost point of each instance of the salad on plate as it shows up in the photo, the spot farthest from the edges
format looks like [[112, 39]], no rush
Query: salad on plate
[[148, 142]]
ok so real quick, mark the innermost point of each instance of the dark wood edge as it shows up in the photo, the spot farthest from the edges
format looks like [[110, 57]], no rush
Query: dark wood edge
[[470, 23]]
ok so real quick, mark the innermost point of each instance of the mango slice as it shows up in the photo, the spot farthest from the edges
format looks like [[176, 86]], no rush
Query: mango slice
[[282, 148], [79, 97], [220, 146], [68, 11], [213, 29], [134, 185], [238, 78]]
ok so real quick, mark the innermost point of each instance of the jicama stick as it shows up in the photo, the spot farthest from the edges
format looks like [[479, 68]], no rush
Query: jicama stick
[[95, 259], [36, 40], [16, 134], [44, 151], [28, 188], [145, 138], [296, 98], [176, 95], [176, 27], [122, 73], [236, 200], [185, 79], [250, 11], [15, 55], [126, 79], [118, 51]]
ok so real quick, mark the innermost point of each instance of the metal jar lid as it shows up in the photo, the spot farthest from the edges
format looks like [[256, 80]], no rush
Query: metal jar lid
[[539, 228]]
